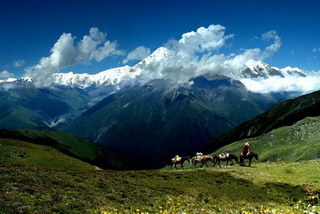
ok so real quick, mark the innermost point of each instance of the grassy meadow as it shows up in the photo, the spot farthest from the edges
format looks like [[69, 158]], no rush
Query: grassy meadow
[[289, 143], [279, 187], [42, 179]]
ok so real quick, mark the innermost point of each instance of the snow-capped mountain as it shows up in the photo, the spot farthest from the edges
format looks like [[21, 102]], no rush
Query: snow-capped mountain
[[108, 77], [111, 76], [116, 76], [260, 69]]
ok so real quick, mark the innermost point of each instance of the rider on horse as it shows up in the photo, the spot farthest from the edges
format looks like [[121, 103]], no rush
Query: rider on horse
[[245, 149]]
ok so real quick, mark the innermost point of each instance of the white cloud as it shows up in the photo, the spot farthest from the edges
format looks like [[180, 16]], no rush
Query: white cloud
[[5, 74], [65, 54], [287, 84], [137, 54], [275, 46], [18, 63], [195, 53], [314, 50], [198, 53], [203, 40]]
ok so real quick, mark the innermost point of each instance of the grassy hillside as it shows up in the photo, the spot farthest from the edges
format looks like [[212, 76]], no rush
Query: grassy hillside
[[264, 188], [285, 113], [67, 144], [289, 143], [21, 152]]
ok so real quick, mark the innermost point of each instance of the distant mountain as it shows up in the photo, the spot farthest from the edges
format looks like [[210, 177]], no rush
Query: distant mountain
[[111, 80], [285, 113], [111, 77], [260, 69], [151, 123], [24, 106]]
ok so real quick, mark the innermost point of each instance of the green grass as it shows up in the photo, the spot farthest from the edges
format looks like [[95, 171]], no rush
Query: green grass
[[20, 152], [290, 143], [263, 188], [64, 143], [40, 179]]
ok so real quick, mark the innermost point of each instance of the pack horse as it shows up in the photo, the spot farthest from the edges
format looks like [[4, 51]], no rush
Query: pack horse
[[224, 157], [179, 160]]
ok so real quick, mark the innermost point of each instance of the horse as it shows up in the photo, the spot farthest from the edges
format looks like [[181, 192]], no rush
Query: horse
[[193, 160], [180, 161], [249, 157], [204, 159], [224, 157]]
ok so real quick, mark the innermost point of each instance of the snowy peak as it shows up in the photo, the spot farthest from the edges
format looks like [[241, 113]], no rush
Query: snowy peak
[[111, 76], [257, 69], [257, 66], [108, 77], [158, 55], [116, 77]]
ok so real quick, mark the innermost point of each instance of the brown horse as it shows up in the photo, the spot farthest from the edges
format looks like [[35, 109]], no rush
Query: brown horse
[[180, 161], [204, 159], [249, 157], [224, 157]]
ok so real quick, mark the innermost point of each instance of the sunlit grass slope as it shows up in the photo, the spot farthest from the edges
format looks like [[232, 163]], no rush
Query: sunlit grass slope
[[60, 142], [15, 151], [300, 141], [264, 188]]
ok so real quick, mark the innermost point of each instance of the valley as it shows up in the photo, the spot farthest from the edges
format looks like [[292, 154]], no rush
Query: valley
[[101, 100], [102, 143], [31, 182]]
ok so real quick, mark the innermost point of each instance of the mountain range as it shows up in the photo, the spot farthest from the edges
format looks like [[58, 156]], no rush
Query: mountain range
[[118, 77], [145, 123], [158, 120], [73, 93], [37, 108], [255, 69]]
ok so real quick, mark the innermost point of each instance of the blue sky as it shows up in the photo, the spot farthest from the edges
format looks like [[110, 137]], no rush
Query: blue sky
[[30, 29]]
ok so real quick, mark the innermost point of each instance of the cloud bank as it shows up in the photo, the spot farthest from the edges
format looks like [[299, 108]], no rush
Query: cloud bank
[[137, 54], [203, 52], [287, 84], [65, 53]]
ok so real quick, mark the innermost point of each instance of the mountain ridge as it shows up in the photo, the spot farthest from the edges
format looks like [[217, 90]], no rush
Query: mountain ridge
[[295, 142], [283, 114], [120, 76], [67, 144], [257, 69], [158, 120]]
